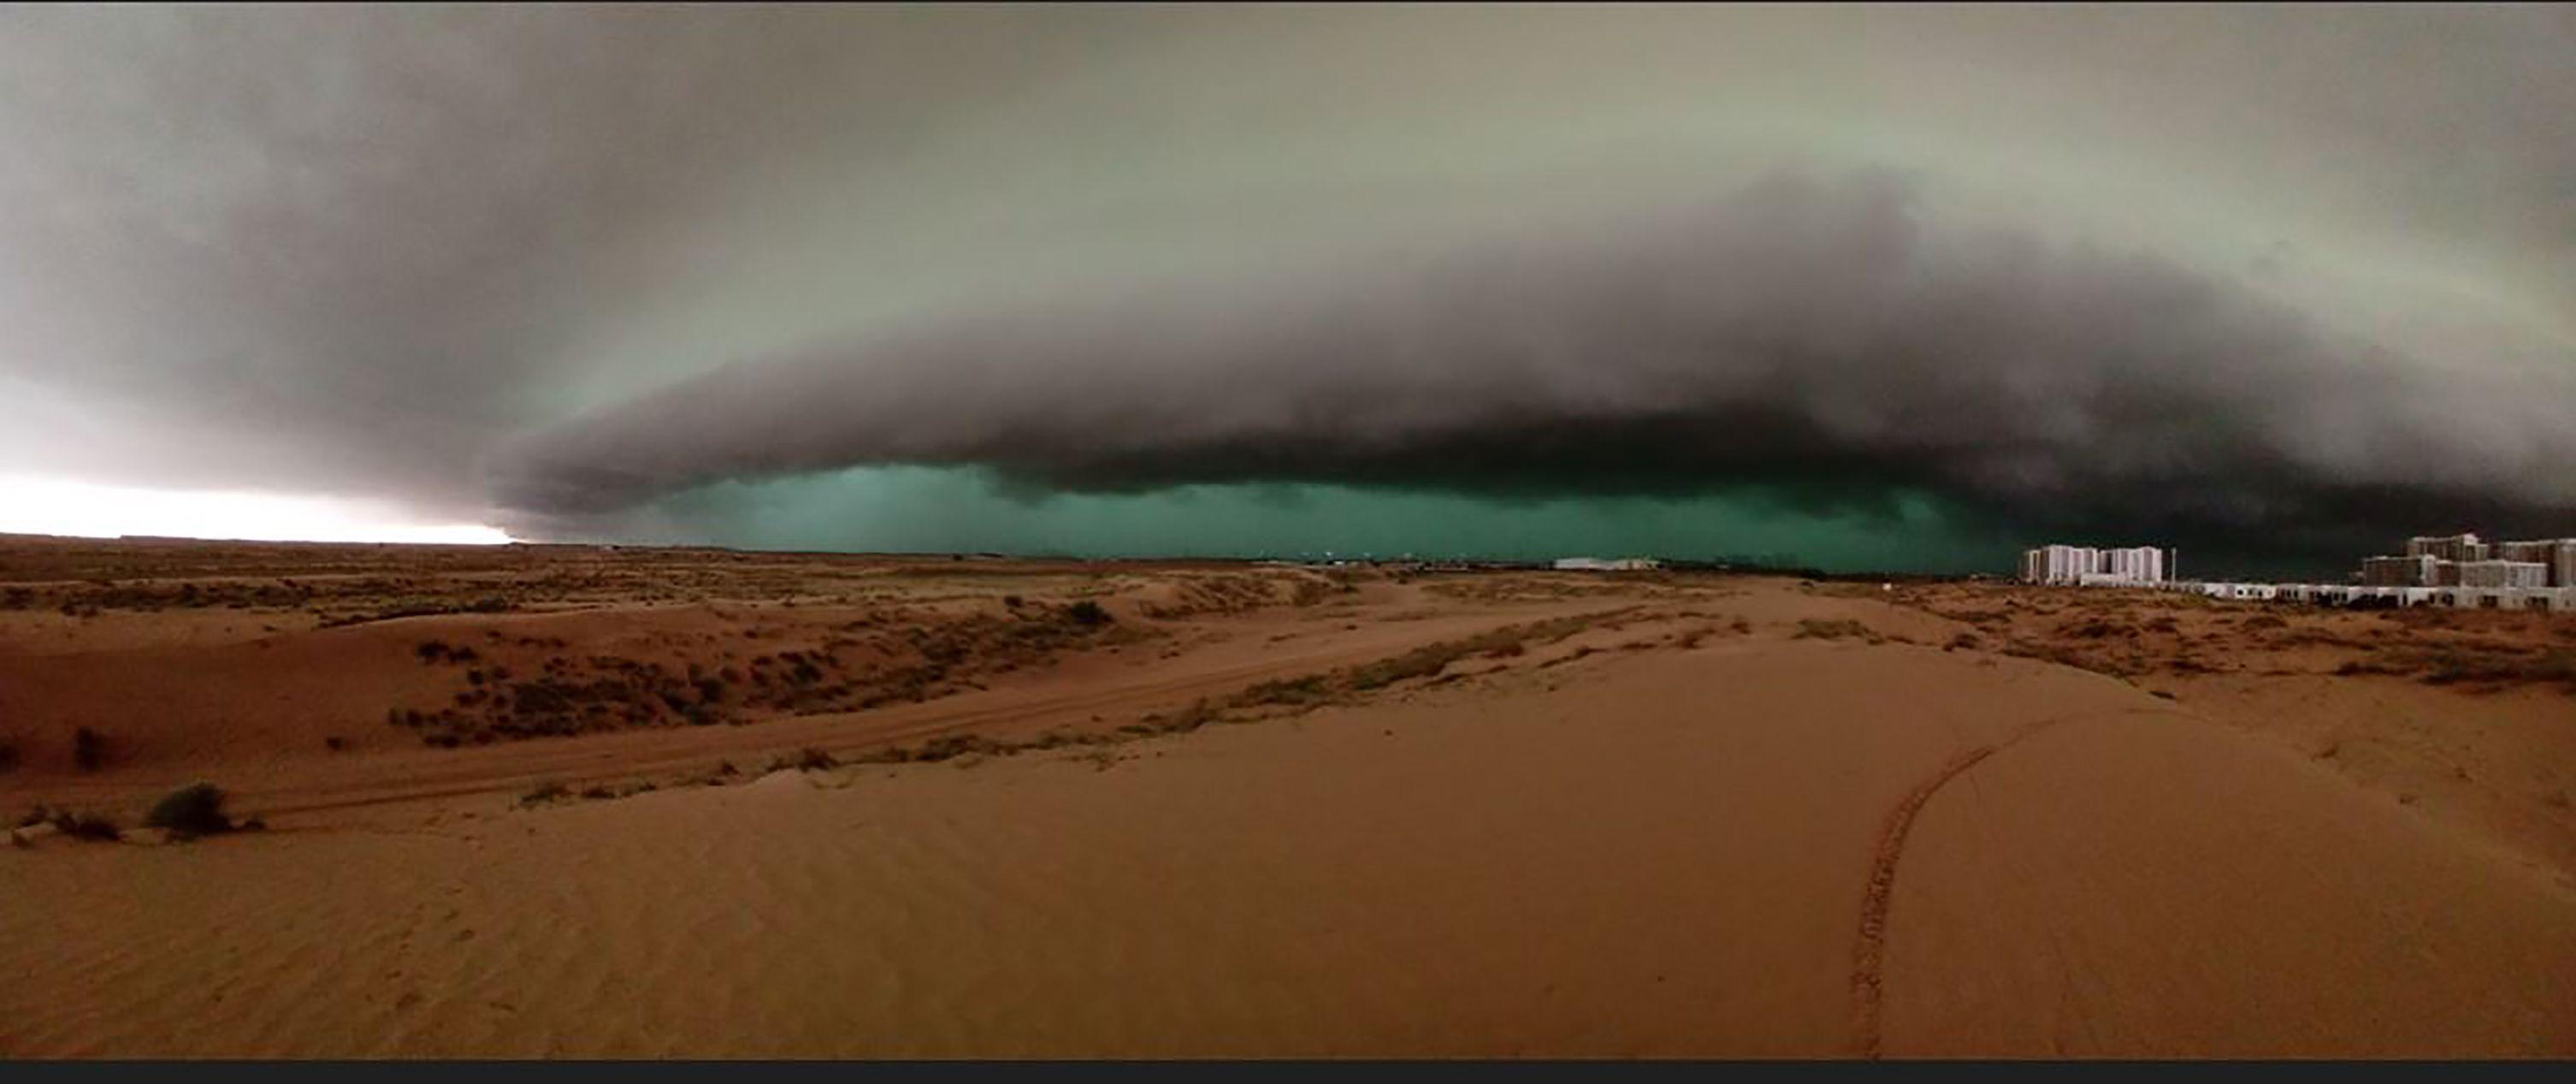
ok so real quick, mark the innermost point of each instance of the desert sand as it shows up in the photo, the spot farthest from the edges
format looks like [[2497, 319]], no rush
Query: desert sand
[[534, 801]]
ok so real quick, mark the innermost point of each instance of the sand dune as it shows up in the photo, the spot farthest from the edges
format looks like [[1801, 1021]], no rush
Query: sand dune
[[1662, 833]]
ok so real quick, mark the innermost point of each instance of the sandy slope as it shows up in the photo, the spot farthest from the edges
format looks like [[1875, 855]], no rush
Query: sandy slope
[[1653, 851]]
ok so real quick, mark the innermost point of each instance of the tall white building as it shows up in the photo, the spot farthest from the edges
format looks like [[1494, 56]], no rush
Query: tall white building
[[2059, 564], [2137, 564]]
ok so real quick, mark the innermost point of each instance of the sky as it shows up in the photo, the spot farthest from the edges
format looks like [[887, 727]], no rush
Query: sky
[[1901, 287]]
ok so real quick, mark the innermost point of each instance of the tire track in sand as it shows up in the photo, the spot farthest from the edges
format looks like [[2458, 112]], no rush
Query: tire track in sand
[[1869, 945]]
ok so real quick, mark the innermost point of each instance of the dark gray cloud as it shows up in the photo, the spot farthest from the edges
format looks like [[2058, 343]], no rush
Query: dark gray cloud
[[1825, 332]]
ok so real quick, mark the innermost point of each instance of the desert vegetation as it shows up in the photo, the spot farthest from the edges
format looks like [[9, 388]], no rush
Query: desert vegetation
[[190, 812]]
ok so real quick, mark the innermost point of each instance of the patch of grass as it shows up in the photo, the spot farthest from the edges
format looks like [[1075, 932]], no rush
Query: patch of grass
[[1814, 629], [2548, 667], [190, 811]]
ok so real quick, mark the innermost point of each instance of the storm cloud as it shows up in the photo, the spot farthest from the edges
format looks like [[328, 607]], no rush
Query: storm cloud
[[1818, 330], [2296, 277]]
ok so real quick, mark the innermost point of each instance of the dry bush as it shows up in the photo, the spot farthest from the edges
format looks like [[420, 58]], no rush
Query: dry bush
[[190, 811]]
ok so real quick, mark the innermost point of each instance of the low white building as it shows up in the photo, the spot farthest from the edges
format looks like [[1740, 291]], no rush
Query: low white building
[[2555, 600], [1607, 564]]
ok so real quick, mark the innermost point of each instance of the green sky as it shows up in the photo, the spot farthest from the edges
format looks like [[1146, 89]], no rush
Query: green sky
[[909, 509]]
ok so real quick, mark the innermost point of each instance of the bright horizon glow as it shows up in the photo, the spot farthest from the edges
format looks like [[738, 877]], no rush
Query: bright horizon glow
[[80, 509]]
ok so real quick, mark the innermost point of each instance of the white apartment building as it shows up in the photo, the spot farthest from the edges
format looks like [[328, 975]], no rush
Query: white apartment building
[[2093, 565], [2453, 547], [2418, 571], [2503, 574], [2059, 564], [2139, 564], [2559, 554]]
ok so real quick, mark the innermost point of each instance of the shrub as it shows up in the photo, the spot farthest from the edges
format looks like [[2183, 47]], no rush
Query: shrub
[[545, 792], [190, 811], [1011, 601], [8, 755], [89, 749], [1087, 612]]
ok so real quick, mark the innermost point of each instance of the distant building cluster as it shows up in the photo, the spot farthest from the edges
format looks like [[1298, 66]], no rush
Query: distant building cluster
[[2089, 566], [2444, 570], [2461, 560]]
